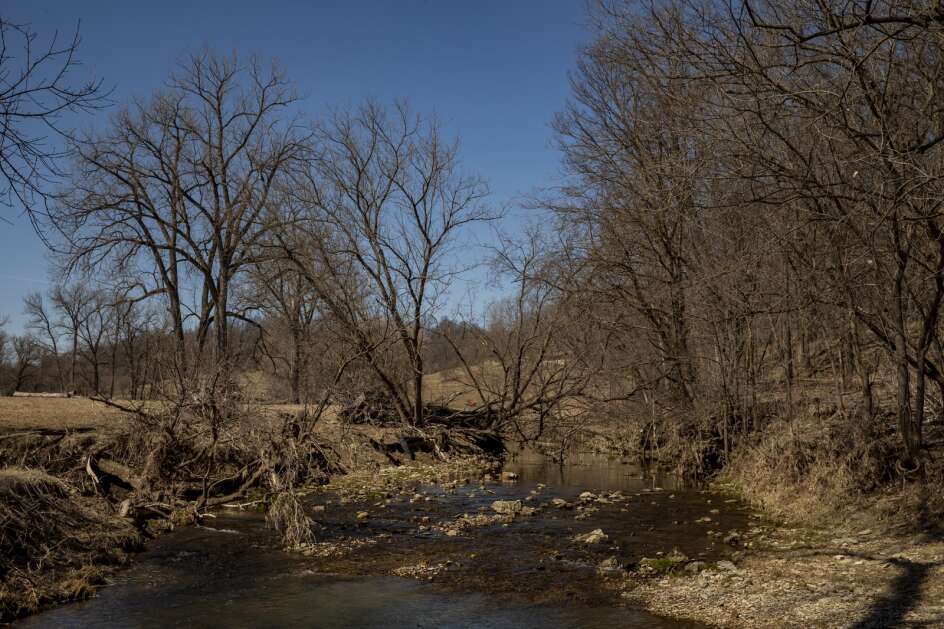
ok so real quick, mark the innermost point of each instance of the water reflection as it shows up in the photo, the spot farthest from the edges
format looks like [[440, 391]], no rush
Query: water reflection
[[198, 577], [586, 470]]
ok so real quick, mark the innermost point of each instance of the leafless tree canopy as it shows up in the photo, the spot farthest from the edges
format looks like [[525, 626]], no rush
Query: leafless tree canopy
[[40, 83], [751, 204], [177, 194]]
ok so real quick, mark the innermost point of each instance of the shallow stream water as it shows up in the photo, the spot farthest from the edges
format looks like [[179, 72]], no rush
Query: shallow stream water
[[232, 573]]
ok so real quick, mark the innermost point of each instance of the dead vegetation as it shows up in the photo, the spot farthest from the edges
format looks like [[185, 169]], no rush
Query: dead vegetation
[[73, 499], [809, 467], [97, 493], [55, 543]]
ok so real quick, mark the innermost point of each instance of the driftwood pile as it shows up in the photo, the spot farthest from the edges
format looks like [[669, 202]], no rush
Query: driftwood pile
[[52, 540], [373, 407], [376, 408], [444, 432], [150, 473]]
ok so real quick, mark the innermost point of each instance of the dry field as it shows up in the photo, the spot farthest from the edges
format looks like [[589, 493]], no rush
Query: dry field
[[445, 388], [29, 413]]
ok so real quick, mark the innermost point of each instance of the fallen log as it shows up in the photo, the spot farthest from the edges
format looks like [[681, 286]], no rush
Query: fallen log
[[38, 394]]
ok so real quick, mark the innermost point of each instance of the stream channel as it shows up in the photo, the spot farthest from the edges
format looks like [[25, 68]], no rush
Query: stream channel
[[529, 572]]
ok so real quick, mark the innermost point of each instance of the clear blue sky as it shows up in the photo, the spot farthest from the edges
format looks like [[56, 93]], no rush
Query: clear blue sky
[[494, 72]]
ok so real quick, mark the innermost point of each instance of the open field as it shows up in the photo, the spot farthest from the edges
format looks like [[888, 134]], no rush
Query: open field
[[449, 388], [30, 413]]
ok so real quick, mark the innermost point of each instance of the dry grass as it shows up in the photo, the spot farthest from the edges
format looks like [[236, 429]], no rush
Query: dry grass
[[25, 413], [70, 413], [815, 466], [451, 387], [447, 388], [52, 540]]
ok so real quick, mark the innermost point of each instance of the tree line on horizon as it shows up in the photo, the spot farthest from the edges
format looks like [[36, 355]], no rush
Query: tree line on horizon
[[751, 206]]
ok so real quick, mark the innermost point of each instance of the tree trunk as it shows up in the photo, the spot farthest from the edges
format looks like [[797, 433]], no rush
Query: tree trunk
[[904, 376], [418, 393], [296, 376]]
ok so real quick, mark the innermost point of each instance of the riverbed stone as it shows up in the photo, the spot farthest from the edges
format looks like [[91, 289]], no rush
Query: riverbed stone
[[593, 537], [695, 567], [610, 567], [507, 507]]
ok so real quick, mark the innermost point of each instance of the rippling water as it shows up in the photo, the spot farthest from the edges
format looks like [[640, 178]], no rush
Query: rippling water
[[234, 575]]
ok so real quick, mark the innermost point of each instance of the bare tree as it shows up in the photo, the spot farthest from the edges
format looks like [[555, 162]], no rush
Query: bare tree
[[534, 357], [633, 205], [26, 355], [871, 172], [180, 186], [277, 289], [37, 86], [384, 205], [42, 321], [72, 304], [750, 173]]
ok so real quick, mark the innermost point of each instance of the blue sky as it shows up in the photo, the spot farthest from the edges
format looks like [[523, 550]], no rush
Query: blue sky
[[494, 72]]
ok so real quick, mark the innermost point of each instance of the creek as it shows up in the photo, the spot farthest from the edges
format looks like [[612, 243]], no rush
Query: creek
[[529, 572]]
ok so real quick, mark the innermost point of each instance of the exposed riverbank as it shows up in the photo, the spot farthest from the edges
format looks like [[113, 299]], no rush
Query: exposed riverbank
[[75, 505], [792, 577]]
